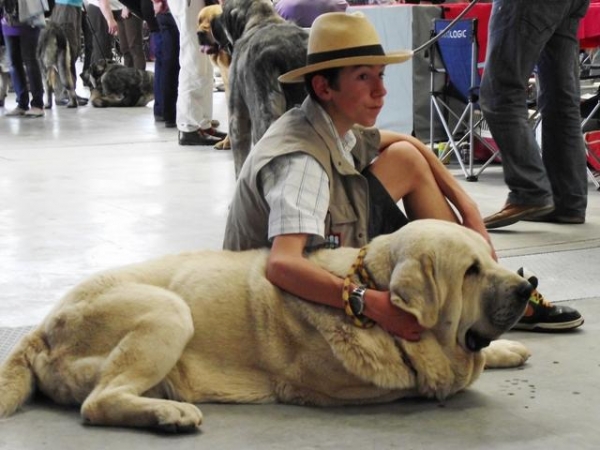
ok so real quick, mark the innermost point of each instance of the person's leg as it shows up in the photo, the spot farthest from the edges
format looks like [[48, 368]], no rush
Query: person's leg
[[101, 39], [88, 41], [29, 42], [194, 100], [559, 101], [124, 45], [170, 73], [406, 175], [156, 42], [135, 39], [518, 31], [17, 71]]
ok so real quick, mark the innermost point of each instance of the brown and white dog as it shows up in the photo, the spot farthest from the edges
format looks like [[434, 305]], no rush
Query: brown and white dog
[[214, 43]]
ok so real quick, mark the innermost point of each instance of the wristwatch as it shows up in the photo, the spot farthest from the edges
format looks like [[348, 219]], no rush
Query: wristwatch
[[357, 301]]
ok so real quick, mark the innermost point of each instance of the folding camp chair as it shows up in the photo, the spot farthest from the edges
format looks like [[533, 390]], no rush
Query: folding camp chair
[[589, 112], [455, 56], [592, 147]]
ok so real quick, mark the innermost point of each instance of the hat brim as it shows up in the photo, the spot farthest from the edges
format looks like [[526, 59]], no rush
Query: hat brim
[[297, 75]]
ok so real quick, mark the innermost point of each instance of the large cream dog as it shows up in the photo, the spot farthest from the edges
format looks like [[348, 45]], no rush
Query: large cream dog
[[136, 346]]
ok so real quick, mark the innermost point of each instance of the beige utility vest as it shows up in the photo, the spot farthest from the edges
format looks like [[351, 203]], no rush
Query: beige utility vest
[[304, 129]]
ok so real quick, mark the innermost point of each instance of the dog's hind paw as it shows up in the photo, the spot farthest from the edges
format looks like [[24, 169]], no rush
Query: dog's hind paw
[[177, 417], [505, 353]]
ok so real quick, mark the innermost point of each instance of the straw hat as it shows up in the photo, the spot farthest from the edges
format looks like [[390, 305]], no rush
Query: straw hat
[[339, 40]]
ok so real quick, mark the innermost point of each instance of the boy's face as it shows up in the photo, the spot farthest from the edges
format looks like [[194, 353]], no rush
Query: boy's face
[[357, 97]]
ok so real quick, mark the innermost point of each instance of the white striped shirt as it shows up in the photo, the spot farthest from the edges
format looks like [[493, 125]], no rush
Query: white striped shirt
[[296, 188]]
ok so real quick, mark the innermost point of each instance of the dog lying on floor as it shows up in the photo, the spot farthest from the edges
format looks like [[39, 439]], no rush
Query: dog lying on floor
[[138, 345], [220, 57], [54, 55], [113, 84], [264, 47]]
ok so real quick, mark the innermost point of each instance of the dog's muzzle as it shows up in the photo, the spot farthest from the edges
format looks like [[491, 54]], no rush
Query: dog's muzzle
[[206, 44], [475, 341]]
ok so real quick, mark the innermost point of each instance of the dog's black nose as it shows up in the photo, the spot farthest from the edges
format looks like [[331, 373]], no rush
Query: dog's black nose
[[524, 291]]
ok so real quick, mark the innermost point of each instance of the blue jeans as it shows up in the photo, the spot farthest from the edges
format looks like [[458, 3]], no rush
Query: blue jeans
[[167, 71], [523, 33], [24, 67]]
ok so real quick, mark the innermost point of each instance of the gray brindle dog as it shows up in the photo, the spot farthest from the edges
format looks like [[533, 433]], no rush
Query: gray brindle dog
[[264, 47]]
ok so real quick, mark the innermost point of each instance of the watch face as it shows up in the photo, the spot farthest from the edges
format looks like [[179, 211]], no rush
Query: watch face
[[356, 302]]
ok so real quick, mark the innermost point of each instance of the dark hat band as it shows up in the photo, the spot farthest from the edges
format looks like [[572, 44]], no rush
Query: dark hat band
[[365, 50]]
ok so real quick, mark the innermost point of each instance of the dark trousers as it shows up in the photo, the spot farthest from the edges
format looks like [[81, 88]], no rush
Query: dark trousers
[[102, 41], [166, 68], [131, 42], [24, 67]]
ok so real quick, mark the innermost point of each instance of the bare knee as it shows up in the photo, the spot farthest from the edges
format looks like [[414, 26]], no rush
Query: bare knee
[[400, 168]]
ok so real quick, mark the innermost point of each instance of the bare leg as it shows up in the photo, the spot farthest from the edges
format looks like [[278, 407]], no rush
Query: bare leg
[[407, 176]]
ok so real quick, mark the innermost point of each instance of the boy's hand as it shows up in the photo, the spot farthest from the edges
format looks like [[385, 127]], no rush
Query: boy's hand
[[378, 307]]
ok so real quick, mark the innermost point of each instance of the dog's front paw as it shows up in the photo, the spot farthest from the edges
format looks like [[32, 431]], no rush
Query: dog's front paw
[[178, 417], [225, 144], [504, 353]]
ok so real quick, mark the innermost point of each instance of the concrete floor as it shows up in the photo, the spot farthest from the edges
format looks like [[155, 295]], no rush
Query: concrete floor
[[82, 190]]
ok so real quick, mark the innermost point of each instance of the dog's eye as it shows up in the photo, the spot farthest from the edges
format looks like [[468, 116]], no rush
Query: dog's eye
[[474, 269]]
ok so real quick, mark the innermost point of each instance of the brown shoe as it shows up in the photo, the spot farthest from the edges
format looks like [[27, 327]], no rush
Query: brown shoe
[[198, 137], [513, 213]]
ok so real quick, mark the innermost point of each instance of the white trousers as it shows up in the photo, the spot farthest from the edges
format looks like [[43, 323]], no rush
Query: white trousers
[[195, 91]]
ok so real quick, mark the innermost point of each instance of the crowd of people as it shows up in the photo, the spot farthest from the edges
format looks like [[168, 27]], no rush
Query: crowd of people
[[183, 76]]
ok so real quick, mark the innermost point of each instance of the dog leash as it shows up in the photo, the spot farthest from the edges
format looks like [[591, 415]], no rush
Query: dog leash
[[357, 270], [95, 37]]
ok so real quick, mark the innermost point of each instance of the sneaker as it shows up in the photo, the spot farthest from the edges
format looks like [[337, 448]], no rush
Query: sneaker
[[34, 112], [513, 213], [17, 112], [541, 315]]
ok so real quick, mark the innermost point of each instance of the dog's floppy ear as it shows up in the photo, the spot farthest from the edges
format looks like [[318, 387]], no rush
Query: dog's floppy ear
[[413, 288], [220, 35], [233, 20]]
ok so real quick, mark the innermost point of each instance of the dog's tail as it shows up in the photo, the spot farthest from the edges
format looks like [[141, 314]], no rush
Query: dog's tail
[[17, 380]]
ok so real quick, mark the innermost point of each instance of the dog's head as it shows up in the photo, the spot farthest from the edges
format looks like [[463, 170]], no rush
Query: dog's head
[[240, 16], [445, 276], [211, 33], [92, 77]]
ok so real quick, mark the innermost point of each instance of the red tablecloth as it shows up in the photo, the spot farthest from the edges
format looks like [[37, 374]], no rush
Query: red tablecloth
[[589, 28]]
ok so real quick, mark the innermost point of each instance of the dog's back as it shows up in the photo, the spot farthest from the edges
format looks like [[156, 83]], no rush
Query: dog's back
[[116, 85], [264, 47], [54, 54]]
